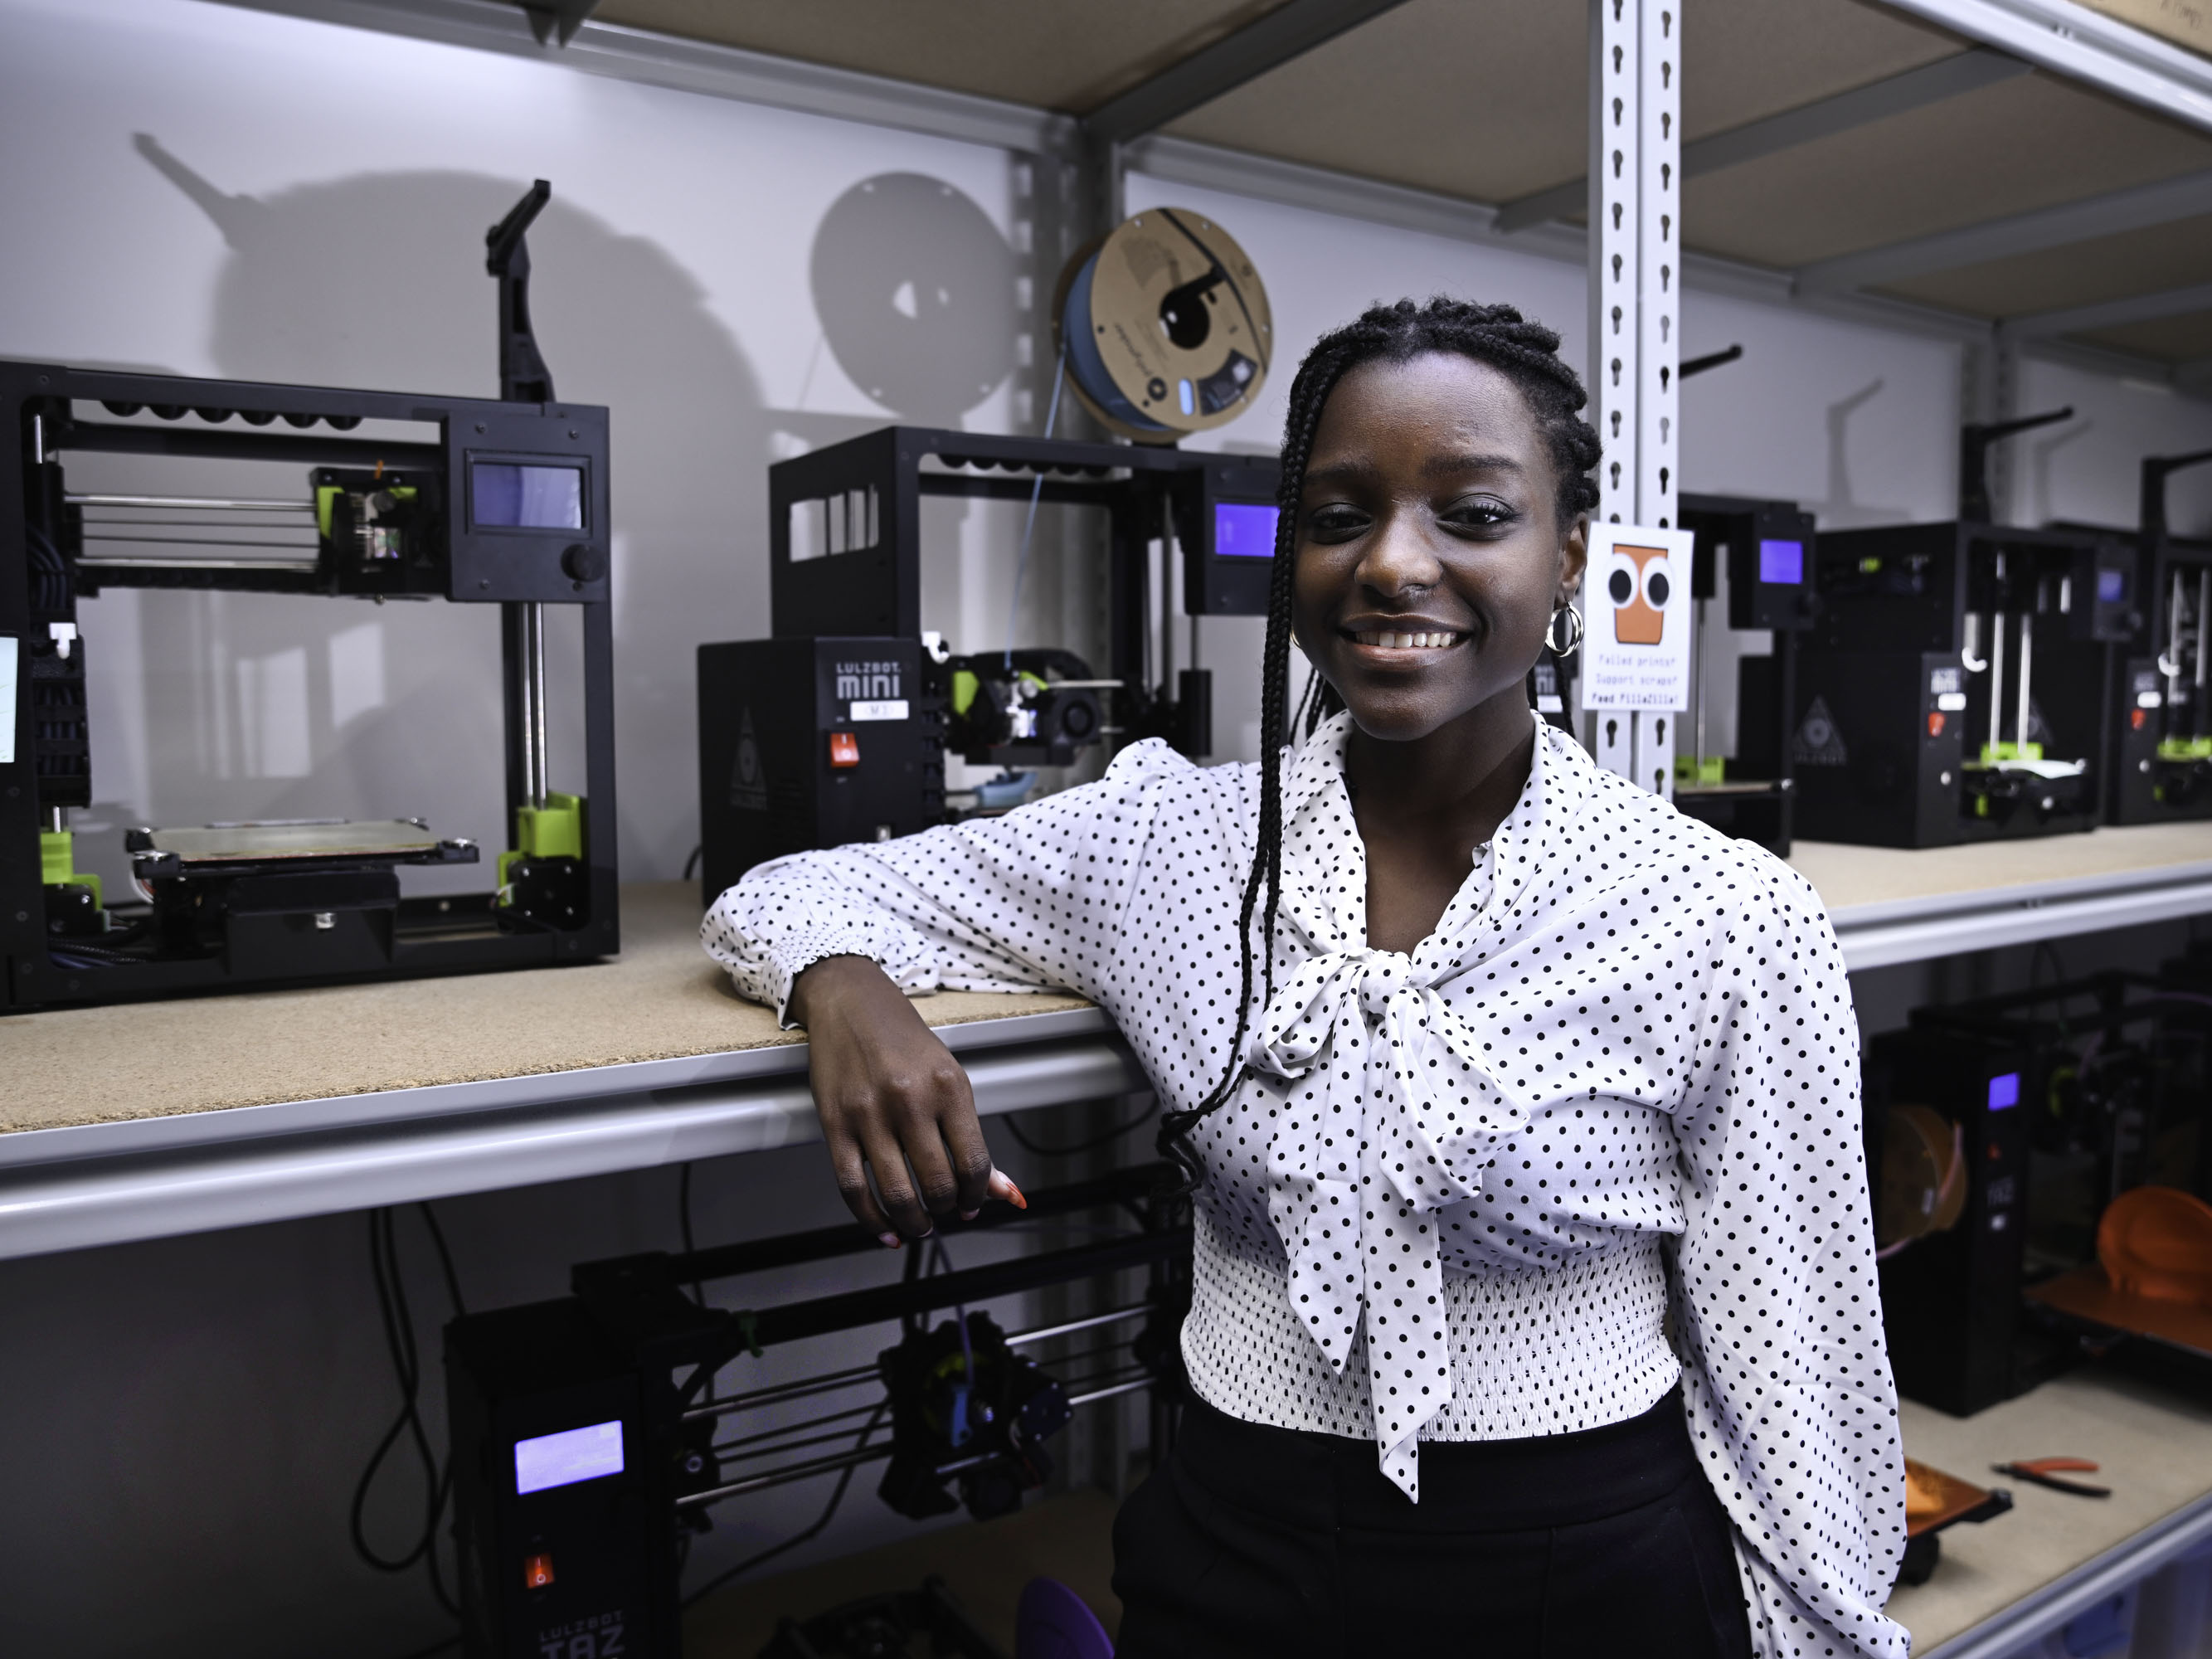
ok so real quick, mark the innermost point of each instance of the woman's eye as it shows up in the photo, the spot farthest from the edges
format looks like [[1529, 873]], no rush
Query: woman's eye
[[1482, 510], [1338, 520]]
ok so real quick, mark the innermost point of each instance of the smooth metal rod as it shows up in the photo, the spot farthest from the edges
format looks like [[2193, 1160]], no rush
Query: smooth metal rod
[[744, 1451], [2172, 663], [1091, 1323], [2203, 621], [2026, 672], [781, 1477], [38, 440], [1074, 1400], [125, 562], [1996, 680], [533, 702], [782, 1391], [211, 503], [57, 819], [100, 532]]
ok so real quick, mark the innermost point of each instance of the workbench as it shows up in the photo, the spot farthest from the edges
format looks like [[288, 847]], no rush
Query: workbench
[[2005, 1581], [1998, 1585], [150, 1120]]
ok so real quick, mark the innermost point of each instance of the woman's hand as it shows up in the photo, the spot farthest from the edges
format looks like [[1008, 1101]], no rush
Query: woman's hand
[[893, 1101]]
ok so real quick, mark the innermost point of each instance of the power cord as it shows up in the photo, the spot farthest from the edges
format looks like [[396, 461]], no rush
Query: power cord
[[828, 1513], [1090, 1146], [406, 1365]]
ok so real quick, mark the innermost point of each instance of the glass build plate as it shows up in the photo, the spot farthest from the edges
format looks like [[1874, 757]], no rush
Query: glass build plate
[[230, 843]]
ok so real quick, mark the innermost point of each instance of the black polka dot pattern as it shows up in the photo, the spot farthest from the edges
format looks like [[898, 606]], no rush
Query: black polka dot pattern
[[1597, 1134]]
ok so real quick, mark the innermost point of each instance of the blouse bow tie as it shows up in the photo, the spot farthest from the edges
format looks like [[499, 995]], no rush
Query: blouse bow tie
[[1392, 1118]]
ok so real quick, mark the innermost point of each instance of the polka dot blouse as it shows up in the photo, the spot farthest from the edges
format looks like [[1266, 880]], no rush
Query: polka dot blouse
[[1597, 1134]]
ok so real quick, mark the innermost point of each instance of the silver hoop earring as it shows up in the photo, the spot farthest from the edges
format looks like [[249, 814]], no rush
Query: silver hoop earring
[[1574, 631]]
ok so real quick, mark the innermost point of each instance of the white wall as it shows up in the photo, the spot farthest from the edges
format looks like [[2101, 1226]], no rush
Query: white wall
[[2087, 469], [308, 202]]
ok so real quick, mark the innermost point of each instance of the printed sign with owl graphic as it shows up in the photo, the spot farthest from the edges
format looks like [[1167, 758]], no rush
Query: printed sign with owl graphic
[[1638, 618]]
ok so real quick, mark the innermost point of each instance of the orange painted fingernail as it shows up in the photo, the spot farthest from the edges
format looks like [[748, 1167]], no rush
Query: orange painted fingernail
[[1014, 1195]]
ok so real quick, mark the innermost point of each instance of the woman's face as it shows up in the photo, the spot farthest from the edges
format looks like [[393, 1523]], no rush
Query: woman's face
[[1429, 553]]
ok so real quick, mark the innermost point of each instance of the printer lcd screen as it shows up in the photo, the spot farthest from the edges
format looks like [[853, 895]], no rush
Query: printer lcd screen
[[1244, 529], [509, 496]]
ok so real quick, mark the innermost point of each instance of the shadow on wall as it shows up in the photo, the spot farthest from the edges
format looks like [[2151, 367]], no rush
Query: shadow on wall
[[1842, 510], [915, 290], [378, 280]]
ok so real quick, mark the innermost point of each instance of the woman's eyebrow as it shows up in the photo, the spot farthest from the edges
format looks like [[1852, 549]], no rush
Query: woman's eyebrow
[[1438, 465], [1345, 471]]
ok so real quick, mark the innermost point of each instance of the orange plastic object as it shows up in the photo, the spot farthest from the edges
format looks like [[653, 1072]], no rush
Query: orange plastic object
[[537, 1571], [844, 748], [2156, 1243], [1924, 1187]]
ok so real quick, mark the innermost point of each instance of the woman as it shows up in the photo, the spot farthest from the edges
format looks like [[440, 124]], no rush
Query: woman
[[1534, 1306]]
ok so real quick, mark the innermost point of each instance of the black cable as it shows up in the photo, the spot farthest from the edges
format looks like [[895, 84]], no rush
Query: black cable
[[692, 863], [684, 1226], [821, 1521], [399, 1320], [1090, 1146]]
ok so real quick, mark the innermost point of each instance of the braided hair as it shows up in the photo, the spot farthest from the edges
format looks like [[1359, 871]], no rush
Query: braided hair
[[1526, 353]]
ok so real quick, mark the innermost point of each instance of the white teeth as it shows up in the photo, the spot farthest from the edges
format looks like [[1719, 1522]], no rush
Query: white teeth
[[1404, 642]]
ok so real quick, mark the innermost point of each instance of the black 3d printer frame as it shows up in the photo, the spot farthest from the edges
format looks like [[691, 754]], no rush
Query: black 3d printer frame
[[877, 589], [630, 1343], [516, 571]]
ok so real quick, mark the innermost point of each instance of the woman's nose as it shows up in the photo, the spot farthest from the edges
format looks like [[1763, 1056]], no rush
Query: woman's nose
[[1398, 558]]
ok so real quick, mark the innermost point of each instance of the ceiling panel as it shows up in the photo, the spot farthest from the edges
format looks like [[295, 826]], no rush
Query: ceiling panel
[[2176, 339], [1747, 59], [1478, 101], [2025, 143], [2142, 261], [1060, 54]]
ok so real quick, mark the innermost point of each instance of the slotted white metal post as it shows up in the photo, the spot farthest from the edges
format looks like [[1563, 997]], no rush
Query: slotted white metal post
[[1635, 291]]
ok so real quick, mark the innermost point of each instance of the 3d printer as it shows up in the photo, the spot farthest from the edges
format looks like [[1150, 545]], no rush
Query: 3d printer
[[1760, 555], [2001, 1129], [475, 502], [2162, 704], [588, 1444], [1956, 683], [835, 729]]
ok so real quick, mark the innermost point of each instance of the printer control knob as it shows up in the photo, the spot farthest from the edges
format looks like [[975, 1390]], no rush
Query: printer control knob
[[583, 563]]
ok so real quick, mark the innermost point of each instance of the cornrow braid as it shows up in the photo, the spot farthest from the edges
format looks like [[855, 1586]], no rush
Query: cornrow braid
[[1526, 353]]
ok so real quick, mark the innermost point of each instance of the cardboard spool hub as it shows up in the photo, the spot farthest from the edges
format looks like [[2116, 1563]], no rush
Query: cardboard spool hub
[[1165, 326]]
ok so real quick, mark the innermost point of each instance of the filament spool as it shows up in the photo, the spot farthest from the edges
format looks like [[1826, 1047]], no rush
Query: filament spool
[[1165, 326]]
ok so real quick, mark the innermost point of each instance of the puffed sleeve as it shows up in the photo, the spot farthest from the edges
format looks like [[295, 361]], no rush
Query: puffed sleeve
[[1787, 1379], [1013, 903]]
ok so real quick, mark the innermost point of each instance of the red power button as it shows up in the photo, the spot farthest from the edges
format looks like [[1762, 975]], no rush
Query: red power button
[[844, 748], [537, 1571], [1935, 723]]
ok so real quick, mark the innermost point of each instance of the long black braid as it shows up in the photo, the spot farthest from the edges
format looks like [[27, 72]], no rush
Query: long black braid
[[1526, 353]]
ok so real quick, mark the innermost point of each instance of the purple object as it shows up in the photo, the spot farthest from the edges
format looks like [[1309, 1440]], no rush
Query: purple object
[[1054, 1622], [1782, 562], [1243, 530]]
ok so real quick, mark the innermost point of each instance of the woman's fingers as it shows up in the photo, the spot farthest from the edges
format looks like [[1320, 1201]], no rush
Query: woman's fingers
[[895, 1184], [851, 1169]]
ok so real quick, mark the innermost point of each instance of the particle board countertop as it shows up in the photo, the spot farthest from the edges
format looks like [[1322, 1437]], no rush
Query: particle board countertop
[[2153, 1446], [1850, 878], [661, 999]]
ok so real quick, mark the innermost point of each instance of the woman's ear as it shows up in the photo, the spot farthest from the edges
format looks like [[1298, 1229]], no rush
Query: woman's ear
[[1574, 553]]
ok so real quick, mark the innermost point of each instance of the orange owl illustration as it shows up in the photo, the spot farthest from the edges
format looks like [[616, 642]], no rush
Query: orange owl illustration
[[1638, 583]]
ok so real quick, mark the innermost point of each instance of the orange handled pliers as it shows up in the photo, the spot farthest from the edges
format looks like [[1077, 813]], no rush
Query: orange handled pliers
[[2044, 1472]]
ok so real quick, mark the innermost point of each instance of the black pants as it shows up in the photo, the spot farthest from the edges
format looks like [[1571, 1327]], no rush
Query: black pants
[[1275, 1543]]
